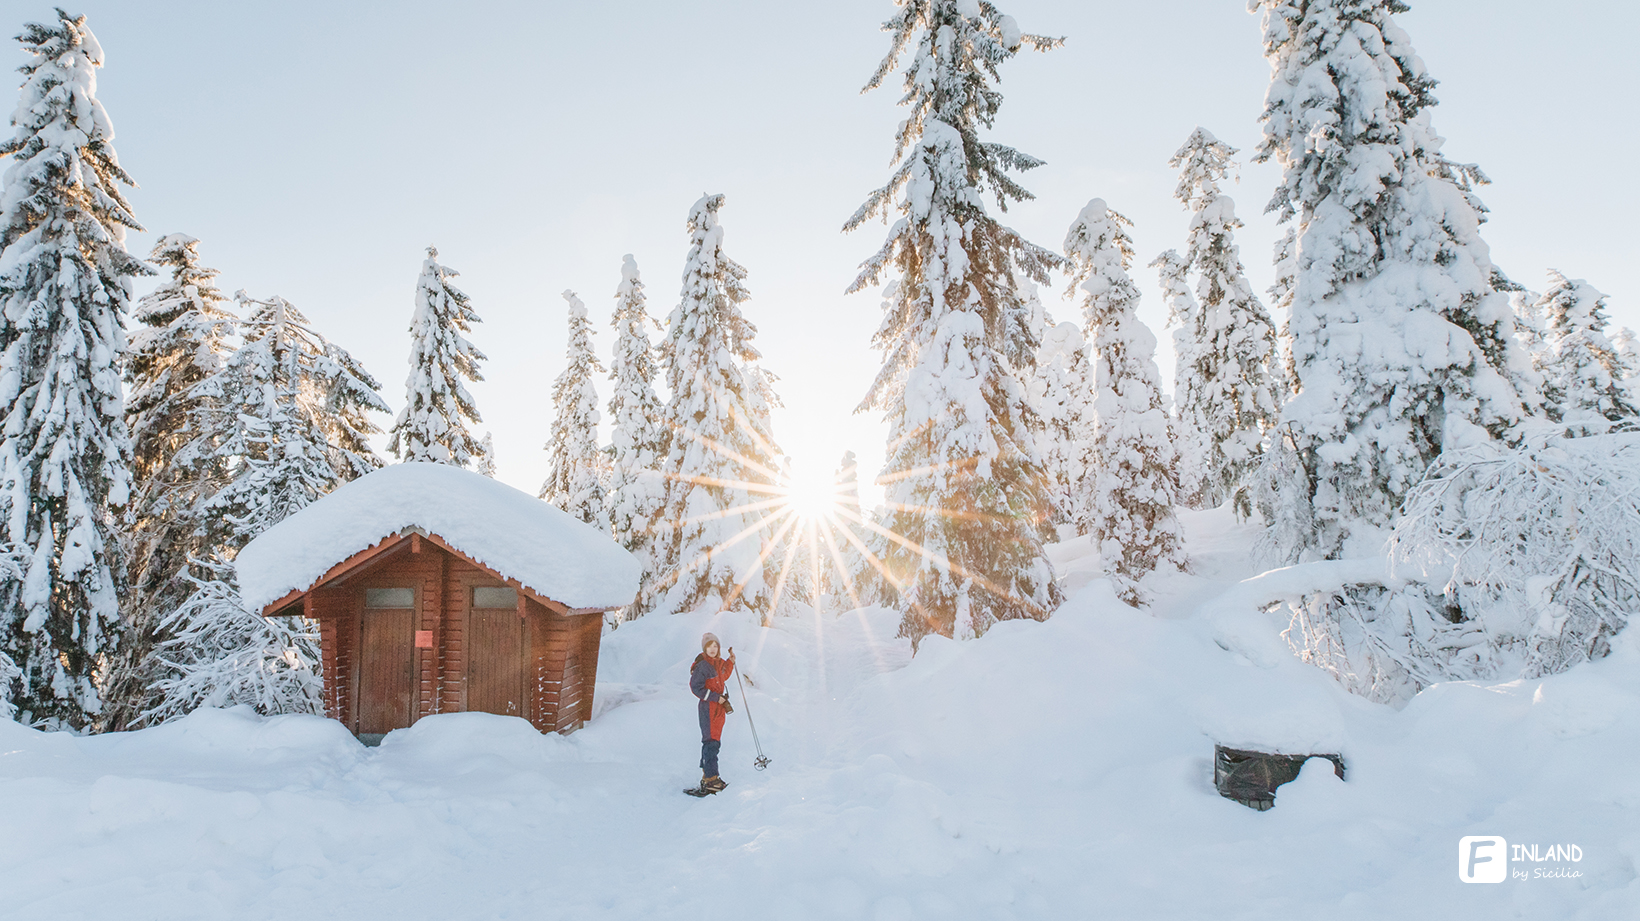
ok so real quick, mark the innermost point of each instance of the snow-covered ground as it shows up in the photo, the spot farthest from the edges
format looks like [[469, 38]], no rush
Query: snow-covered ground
[[1057, 770]]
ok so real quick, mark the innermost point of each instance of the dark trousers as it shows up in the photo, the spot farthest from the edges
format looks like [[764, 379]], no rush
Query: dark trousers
[[708, 745], [708, 756]]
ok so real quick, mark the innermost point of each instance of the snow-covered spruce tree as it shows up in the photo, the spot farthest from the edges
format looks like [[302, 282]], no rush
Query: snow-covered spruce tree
[[295, 426], [1628, 350], [1628, 353], [1528, 322], [574, 478], [1518, 353], [486, 456], [840, 536], [1224, 397], [967, 500], [1584, 374], [1063, 396], [1132, 488], [1184, 314], [65, 282], [186, 331], [1400, 344], [712, 535], [437, 407], [638, 433]]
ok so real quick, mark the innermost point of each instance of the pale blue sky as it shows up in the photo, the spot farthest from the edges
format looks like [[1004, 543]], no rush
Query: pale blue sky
[[317, 148]]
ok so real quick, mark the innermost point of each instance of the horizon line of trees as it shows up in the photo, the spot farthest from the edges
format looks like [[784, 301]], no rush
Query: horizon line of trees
[[1408, 381]]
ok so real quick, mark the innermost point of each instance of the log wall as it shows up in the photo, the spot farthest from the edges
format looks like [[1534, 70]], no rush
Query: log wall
[[560, 655]]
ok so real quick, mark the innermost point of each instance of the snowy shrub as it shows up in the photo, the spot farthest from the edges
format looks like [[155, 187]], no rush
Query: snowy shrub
[[222, 654], [1506, 563], [1535, 550]]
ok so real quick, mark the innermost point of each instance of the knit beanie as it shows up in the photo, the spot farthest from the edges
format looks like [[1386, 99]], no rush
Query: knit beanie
[[708, 640]]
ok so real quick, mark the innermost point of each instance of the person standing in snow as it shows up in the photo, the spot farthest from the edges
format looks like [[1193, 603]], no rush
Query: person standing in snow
[[707, 679]]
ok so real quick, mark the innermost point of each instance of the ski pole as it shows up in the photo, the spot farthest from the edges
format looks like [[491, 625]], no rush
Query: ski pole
[[761, 762]]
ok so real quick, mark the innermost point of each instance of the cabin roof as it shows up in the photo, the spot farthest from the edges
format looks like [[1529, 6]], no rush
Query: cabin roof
[[504, 529]]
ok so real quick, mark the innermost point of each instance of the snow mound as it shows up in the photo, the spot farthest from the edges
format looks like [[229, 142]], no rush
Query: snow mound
[[507, 530]]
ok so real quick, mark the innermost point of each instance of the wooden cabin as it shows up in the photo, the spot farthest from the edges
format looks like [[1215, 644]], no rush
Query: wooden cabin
[[475, 598]]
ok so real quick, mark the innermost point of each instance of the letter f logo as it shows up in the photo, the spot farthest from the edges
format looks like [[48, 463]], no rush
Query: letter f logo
[[1483, 859]]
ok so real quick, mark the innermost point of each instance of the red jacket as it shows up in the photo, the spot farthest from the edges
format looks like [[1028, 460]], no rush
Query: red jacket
[[708, 679]]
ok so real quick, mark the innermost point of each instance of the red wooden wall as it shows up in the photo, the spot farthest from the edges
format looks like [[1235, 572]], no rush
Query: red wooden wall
[[558, 667]]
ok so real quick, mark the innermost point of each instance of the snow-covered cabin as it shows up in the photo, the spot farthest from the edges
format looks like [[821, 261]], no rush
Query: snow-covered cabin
[[439, 590]]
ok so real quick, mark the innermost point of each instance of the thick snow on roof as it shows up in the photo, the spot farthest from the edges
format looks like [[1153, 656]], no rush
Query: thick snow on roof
[[511, 532]]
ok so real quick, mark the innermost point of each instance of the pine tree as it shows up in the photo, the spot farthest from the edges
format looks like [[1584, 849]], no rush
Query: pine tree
[[1628, 350], [185, 335], [847, 580], [1133, 486], [967, 498], [186, 330], [1282, 373], [1627, 346], [1400, 343], [1063, 396], [574, 478], [65, 283], [713, 534], [486, 457], [1185, 315], [1224, 396], [301, 427], [295, 426], [638, 434], [437, 406], [1584, 373], [1528, 322]]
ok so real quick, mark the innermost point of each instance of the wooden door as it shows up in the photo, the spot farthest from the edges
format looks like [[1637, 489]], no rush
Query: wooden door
[[386, 660], [495, 653]]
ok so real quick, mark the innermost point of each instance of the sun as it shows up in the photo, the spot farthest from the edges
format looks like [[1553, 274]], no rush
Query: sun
[[812, 495]]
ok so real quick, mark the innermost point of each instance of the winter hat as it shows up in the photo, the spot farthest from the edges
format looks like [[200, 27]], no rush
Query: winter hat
[[708, 640]]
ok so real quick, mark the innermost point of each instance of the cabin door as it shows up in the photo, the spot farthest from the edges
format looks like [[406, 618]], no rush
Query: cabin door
[[495, 650], [386, 660]]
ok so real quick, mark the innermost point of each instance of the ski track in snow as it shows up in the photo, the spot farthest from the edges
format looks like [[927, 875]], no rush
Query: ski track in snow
[[1057, 770]]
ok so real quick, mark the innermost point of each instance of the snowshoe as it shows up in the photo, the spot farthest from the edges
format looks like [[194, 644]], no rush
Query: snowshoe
[[708, 786]]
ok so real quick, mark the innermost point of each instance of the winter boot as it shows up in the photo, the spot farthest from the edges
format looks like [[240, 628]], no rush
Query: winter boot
[[713, 783]]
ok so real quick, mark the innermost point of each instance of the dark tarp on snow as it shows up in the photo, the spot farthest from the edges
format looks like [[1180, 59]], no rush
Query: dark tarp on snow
[[1250, 778]]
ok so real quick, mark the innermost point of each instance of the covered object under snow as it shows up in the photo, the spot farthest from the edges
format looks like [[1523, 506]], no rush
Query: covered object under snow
[[440, 590]]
